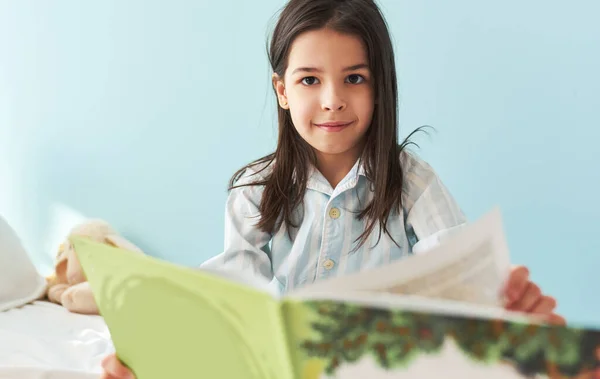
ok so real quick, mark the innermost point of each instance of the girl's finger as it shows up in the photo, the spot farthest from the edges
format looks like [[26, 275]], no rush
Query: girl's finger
[[529, 299], [555, 319], [532, 297], [517, 283], [545, 306], [115, 368]]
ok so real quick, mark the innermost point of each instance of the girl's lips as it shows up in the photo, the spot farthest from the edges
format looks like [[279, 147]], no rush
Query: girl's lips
[[334, 126]]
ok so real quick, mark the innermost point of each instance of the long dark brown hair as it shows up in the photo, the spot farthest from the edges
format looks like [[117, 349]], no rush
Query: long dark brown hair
[[285, 185]]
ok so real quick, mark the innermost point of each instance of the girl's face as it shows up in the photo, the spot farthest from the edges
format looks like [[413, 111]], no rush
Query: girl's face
[[327, 89]]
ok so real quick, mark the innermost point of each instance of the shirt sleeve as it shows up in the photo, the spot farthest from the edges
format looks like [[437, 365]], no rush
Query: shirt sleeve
[[246, 247], [432, 212]]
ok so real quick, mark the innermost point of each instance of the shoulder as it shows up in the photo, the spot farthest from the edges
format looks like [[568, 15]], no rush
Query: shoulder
[[417, 176], [246, 188], [423, 190], [414, 165], [429, 205], [254, 172]]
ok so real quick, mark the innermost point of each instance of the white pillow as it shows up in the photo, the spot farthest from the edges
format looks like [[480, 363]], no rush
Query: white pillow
[[20, 283]]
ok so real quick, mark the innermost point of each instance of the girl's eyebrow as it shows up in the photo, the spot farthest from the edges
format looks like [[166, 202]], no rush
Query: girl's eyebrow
[[316, 69]]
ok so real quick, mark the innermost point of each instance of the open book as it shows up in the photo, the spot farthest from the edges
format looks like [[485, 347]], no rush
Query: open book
[[436, 314]]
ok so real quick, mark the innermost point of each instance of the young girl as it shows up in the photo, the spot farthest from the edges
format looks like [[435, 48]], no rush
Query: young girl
[[339, 194]]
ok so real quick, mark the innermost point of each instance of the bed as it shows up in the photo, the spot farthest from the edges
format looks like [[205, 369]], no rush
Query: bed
[[40, 339], [44, 340]]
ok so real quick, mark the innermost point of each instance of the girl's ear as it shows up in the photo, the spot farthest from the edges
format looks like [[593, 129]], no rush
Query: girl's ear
[[279, 86]]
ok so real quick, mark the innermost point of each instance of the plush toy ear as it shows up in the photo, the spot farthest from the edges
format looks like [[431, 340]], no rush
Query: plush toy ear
[[120, 242], [60, 266], [75, 273]]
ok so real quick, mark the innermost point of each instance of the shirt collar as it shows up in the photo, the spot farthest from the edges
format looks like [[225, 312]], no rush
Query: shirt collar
[[316, 181]]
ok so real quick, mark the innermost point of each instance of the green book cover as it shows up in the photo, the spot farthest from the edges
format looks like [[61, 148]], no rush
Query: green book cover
[[171, 321], [168, 321]]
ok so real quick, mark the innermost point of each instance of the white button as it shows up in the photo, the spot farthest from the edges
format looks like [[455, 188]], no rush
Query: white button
[[328, 264], [334, 213]]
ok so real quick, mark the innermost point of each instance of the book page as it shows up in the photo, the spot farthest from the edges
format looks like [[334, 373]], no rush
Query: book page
[[471, 266], [382, 335], [170, 321]]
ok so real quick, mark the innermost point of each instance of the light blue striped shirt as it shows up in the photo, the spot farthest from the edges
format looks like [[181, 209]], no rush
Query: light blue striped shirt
[[322, 245]]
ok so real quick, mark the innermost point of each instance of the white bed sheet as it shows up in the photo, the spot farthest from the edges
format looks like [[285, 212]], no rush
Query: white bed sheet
[[43, 340]]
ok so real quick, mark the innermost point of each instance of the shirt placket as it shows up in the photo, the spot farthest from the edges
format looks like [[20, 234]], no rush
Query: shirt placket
[[333, 235]]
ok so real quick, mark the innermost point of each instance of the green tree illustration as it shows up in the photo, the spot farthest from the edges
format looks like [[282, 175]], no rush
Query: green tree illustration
[[554, 350], [347, 332], [476, 339]]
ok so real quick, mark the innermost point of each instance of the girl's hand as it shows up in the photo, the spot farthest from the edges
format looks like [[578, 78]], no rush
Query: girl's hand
[[114, 369], [525, 296]]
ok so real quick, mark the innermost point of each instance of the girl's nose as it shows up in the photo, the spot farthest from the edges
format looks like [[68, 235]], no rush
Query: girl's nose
[[331, 106], [332, 101]]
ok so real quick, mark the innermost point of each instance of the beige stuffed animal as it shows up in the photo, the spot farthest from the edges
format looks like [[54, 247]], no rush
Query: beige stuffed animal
[[67, 285]]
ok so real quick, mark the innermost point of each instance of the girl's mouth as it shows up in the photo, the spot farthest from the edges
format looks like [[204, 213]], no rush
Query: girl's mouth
[[333, 126]]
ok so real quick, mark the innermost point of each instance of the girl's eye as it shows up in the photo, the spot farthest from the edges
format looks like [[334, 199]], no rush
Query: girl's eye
[[309, 80], [355, 79]]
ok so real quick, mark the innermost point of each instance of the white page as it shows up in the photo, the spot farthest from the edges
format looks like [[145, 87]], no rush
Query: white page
[[470, 266]]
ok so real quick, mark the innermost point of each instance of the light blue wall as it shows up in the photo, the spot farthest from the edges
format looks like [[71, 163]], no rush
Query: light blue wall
[[138, 112]]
